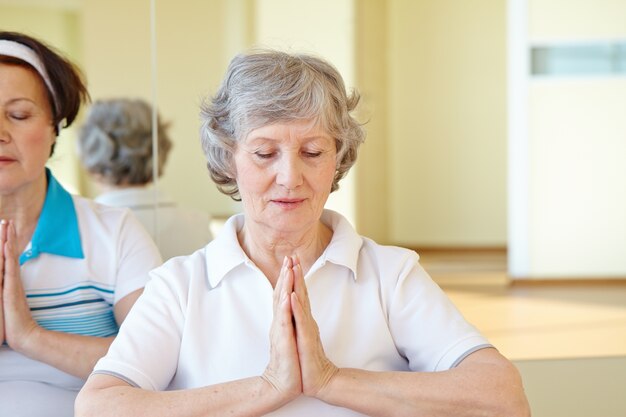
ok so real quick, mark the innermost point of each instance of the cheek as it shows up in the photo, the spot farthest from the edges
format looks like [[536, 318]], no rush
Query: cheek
[[250, 179], [39, 142], [327, 176]]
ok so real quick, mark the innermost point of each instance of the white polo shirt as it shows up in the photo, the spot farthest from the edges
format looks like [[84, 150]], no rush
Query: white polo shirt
[[177, 230], [205, 319], [83, 258]]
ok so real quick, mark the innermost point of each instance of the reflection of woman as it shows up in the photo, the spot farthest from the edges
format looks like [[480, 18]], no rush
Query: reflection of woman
[[69, 269], [354, 328], [115, 145]]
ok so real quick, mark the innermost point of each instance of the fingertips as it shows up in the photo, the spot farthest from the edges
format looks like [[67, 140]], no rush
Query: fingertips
[[10, 238], [299, 284], [299, 315], [3, 229], [296, 306]]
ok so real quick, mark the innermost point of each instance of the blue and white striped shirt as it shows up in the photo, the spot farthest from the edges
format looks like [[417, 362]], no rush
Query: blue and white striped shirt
[[83, 257]]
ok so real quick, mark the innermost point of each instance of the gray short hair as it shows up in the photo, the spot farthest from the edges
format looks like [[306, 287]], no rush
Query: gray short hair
[[263, 87], [115, 142]]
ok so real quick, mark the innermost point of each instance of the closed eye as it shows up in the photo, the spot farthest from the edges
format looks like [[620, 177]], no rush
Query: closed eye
[[19, 116], [312, 154], [264, 155]]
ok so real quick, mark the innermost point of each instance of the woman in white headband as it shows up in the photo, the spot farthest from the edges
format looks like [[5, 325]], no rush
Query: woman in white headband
[[70, 269]]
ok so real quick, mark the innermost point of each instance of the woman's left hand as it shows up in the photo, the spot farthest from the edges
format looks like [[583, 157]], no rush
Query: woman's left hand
[[316, 369], [19, 326]]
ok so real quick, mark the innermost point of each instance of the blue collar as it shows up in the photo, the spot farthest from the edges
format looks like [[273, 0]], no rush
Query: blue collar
[[57, 230]]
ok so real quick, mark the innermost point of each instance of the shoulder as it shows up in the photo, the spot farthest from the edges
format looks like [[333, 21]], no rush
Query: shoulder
[[181, 273], [364, 255], [388, 259], [92, 210], [115, 227], [97, 216]]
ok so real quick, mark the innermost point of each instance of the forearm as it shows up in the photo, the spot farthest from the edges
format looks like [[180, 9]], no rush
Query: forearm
[[71, 353], [488, 391], [242, 398]]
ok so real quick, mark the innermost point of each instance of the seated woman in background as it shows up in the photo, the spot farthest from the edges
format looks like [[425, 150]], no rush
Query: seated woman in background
[[115, 146], [288, 311], [70, 269]]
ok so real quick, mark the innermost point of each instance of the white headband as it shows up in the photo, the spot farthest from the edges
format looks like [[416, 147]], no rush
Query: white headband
[[23, 52]]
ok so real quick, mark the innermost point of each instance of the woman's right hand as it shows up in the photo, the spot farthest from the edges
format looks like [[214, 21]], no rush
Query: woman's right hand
[[21, 331], [3, 240], [283, 370]]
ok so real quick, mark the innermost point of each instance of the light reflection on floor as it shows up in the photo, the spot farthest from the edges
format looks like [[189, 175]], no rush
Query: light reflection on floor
[[534, 322]]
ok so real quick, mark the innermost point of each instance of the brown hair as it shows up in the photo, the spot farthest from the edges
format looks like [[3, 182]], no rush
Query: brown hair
[[67, 80]]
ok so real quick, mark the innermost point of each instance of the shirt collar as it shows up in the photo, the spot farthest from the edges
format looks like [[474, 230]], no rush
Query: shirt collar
[[224, 252], [345, 245], [343, 248], [57, 230]]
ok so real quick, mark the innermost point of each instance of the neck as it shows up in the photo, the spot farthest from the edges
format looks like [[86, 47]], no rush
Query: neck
[[267, 249], [23, 207]]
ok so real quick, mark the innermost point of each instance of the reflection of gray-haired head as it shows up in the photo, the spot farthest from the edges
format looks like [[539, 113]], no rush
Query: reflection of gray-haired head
[[265, 87], [115, 142]]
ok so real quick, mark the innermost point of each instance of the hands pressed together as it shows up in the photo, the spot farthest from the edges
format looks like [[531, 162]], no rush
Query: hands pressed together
[[298, 364], [17, 326]]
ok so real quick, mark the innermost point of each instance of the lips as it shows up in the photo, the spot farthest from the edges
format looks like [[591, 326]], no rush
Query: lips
[[288, 200], [288, 203]]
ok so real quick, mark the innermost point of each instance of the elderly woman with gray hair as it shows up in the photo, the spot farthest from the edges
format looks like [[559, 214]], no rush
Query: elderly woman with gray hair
[[289, 312], [115, 146]]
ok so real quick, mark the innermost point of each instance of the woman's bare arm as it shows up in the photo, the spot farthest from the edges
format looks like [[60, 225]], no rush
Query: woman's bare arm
[[105, 395], [484, 384], [71, 353]]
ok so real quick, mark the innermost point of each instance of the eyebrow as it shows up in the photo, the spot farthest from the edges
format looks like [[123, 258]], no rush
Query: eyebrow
[[18, 99]]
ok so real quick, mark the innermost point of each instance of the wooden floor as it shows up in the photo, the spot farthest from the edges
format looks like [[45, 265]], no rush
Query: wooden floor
[[532, 322]]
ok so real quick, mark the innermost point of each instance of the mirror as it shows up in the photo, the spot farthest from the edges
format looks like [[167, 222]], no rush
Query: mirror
[[407, 100], [111, 48], [111, 42]]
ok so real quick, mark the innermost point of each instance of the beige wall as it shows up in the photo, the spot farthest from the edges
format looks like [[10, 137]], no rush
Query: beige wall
[[371, 72], [431, 76], [567, 19], [59, 27], [192, 58], [447, 131]]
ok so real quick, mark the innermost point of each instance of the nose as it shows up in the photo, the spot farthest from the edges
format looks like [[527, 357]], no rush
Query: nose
[[289, 171], [4, 132]]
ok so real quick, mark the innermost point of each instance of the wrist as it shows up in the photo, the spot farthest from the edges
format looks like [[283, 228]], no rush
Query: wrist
[[325, 389], [275, 395], [29, 340]]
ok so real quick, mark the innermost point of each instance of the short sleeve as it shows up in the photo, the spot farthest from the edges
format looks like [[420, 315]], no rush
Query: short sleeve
[[146, 349], [137, 254], [426, 326]]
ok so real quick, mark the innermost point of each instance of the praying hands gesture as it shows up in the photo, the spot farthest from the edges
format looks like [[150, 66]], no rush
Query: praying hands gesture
[[17, 326], [298, 364], [72, 353]]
